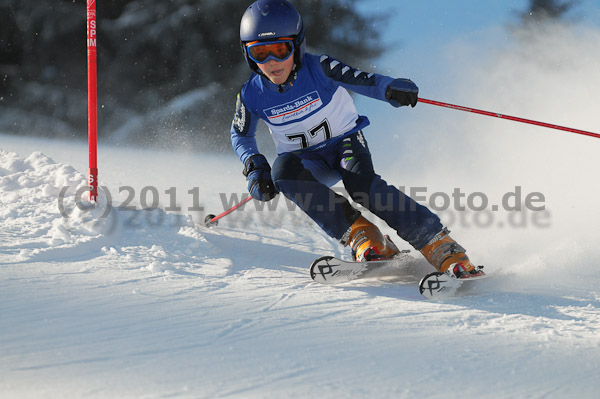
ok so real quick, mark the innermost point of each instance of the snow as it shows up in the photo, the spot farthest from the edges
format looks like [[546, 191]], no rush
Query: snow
[[149, 303]]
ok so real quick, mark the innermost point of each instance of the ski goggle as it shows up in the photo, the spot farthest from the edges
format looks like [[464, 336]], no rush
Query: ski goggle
[[278, 50]]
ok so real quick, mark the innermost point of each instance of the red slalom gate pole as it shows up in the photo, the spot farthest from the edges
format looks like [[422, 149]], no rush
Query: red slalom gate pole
[[512, 118], [92, 100]]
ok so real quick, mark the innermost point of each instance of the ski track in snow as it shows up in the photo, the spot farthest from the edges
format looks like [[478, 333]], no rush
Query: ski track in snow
[[94, 305]]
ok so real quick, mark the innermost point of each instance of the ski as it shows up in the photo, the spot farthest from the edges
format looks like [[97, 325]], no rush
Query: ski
[[439, 285], [331, 270]]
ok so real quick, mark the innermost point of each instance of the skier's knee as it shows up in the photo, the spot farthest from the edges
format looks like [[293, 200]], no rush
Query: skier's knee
[[287, 167]]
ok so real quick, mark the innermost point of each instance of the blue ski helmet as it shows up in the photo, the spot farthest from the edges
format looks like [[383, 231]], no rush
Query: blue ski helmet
[[267, 20]]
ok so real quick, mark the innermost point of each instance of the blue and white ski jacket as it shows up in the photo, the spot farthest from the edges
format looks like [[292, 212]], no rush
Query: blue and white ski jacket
[[312, 111]]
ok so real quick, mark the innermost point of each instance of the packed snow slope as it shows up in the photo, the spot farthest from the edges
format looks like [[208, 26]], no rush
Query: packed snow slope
[[135, 298]]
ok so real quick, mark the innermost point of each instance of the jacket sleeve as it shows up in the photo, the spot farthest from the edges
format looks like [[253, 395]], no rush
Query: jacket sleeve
[[368, 84], [243, 130]]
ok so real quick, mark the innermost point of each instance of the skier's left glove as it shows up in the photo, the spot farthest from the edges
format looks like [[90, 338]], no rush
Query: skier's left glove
[[402, 92], [258, 173]]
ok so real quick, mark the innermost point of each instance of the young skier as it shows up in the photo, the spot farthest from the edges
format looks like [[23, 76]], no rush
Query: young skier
[[317, 131]]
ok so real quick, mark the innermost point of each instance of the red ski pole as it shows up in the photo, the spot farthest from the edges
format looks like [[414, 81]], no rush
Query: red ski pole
[[212, 220], [512, 118]]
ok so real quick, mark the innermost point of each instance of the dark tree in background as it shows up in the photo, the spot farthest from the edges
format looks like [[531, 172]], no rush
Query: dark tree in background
[[544, 10], [168, 70]]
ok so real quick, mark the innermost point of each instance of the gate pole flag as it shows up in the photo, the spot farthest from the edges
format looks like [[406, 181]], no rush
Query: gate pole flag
[[92, 100]]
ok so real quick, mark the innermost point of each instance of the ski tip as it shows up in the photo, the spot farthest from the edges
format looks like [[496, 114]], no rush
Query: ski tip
[[438, 285], [316, 262]]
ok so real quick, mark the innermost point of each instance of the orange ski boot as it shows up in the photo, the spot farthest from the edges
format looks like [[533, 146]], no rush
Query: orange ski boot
[[444, 253], [368, 243]]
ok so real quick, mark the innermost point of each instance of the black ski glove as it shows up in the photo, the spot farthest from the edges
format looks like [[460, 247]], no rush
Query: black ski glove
[[402, 92], [258, 173]]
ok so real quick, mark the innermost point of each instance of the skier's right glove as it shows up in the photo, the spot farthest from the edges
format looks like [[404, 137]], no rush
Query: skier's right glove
[[402, 92], [258, 173]]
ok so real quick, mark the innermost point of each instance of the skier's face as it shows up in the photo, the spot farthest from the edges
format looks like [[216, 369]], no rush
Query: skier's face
[[277, 71]]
